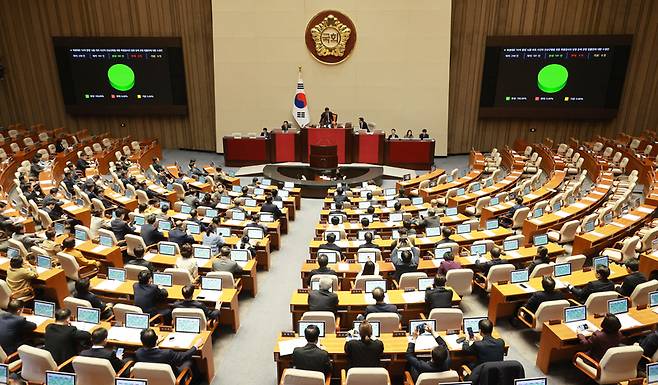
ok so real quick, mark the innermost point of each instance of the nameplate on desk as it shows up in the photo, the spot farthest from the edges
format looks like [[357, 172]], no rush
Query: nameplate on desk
[[302, 291]]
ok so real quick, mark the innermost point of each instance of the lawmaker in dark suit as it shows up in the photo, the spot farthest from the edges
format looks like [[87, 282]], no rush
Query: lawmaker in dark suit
[[99, 349], [179, 235], [14, 328], [327, 118], [323, 261], [311, 356], [82, 292], [340, 197], [602, 340], [150, 233], [189, 303], [331, 244], [63, 340], [380, 306], [446, 233], [485, 347], [650, 344], [148, 296], [323, 299], [438, 296], [139, 259], [633, 278], [363, 125], [269, 207], [177, 360], [404, 263], [506, 219], [549, 294], [542, 257], [120, 226], [364, 352], [485, 266], [431, 220], [440, 361], [368, 244], [602, 283]]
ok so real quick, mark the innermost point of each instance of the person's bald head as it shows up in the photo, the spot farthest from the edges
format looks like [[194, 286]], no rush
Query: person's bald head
[[325, 284]]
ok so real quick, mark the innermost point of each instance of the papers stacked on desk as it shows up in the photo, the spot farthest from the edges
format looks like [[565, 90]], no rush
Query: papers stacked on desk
[[108, 285], [451, 341], [560, 214], [149, 256], [37, 320], [413, 296], [123, 334], [645, 210], [286, 347], [99, 249], [425, 342], [343, 266], [209, 295], [632, 217], [526, 287], [627, 321], [179, 340], [489, 233]]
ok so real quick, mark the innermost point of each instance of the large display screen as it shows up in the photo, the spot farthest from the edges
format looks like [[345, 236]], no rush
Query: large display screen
[[554, 77], [131, 75]]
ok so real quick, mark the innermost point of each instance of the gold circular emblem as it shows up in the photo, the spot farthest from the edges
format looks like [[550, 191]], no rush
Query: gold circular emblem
[[330, 37]]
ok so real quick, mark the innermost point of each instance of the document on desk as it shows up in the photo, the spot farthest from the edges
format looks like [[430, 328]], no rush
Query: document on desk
[[631, 217], [576, 327], [41, 270], [343, 266], [526, 287], [562, 214], [621, 225], [4, 260], [108, 285], [179, 340], [209, 295], [645, 210], [124, 334], [451, 341], [286, 347], [589, 199], [559, 284], [580, 205], [467, 236], [627, 321], [513, 254], [489, 233], [37, 320], [425, 342], [414, 296], [99, 249], [149, 256]]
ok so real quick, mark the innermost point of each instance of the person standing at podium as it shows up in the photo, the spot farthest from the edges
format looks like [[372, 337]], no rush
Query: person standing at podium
[[327, 118]]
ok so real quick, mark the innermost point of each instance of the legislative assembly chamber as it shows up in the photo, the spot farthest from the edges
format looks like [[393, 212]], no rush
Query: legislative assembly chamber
[[305, 192]]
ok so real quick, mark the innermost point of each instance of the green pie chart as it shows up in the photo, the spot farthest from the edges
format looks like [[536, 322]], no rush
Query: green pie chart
[[552, 78], [121, 77]]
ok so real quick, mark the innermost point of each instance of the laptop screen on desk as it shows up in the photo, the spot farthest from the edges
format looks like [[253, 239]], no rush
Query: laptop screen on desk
[[162, 279], [440, 252], [478, 249], [463, 228], [137, 321], [185, 208], [164, 225], [365, 256], [575, 314], [618, 306], [188, 325], [372, 285], [105, 240], [315, 285], [600, 261], [225, 200], [562, 269], [59, 228], [116, 274], [531, 381], [304, 324], [332, 255], [511, 245], [237, 215], [653, 299], [211, 283], [223, 231], [417, 201], [425, 283], [240, 255], [202, 252], [419, 324], [519, 276], [60, 378], [44, 309], [450, 211], [433, 231], [255, 233], [395, 217], [473, 323], [80, 235], [492, 224], [494, 201], [139, 220], [167, 249], [129, 381], [193, 228], [44, 262], [540, 240], [88, 315], [652, 373], [211, 213]]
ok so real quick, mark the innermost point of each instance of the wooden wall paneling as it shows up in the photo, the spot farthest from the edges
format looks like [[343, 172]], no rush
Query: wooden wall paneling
[[31, 91], [473, 20]]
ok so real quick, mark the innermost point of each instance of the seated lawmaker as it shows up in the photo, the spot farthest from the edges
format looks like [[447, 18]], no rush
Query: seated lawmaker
[[440, 359], [600, 341], [323, 262], [82, 292], [99, 349], [364, 352], [602, 283], [634, 278], [179, 235], [311, 356], [20, 275], [506, 219], [484, 346], [189, 303], [225, 263], [14, 328], [542, 257], [446, 233], [149, 231], [151, 353], [380, 306], [323, 299], [549, 294], [439, 296], [331, 244], [485, 266], [448, 263], [68, 245], [404, 263], [270, 207], [62, 340], [368, 241], [148, 296], [424, 134], [139, 260]]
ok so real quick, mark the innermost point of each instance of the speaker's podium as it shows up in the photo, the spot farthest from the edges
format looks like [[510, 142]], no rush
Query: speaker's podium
[[323, 157], [340, 137]]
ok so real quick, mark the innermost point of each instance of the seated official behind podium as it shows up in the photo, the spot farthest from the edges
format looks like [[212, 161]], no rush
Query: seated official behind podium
[[189, 303], [634, 278], [326, 118], [380, 306], [150, 353], [424, 134], [602, 283], [323, 299], [363, 125], [63, 340], [439, 362], [439, 296], [364, 352], [601, 340], [311, 356], [549, 294], [99, 349], [393, 134], [484, 346]]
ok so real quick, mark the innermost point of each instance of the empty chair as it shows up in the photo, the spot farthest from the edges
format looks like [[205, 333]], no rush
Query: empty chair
[[97, 371], [365, 376], [72, 269], [97, 147], [410, 280], [432, 378], [497, 273], [160, 374], [627, 250], [519, 217], [577, 261], [303, 377], [388, 322], [180, 276], [541, 270], [597, 303], [460, 280], [35, 363], [73, 304], [132, 271], [447, 318], [329, 319], [479, 205], [566, 233], [640, 295], [547, 311], [193, 313], [618, 364]]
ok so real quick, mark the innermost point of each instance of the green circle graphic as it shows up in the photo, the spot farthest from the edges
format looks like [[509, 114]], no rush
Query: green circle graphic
[[552, 78], [121, 77]]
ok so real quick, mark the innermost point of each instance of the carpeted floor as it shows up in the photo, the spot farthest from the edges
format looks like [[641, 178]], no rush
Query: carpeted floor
[[246, 358]]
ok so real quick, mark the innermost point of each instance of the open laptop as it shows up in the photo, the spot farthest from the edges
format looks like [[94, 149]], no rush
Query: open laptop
[[473, 323], [223, 231], [211, 213], [561, 269], [225, 200], [389, 191], [478, 249], [60, 228], [492, 224], [425, 283], [211, 289], [266, 217], [652, 373], [4, 373], [250, 203], [164, 225], [43, 311], [87, 318], [139, 220], [193, 228], [531, 381], [494, 201], [332, 255], [129, 381], [589, 226], [460, 192], [240, 256], [60, 378], [365, 256], [315, 285], [433, 231], [618, 306], [364, 204], [376, 327], [395, 217], [540, 240], [139, 321], [44, 263], [450, 211], [519, 276], [653, 300], [259, 191], [165, 248], [538, 213], [202, 252], [373, 284], [511, 245], [255, 233], [237, 215], [80, 236], [439, 252], [463, 228], [603, 261], [187, 325], [116, 274], [13, 252], [105, 240], [185, 208], [417, 201], [304, 324], [162, 279]]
